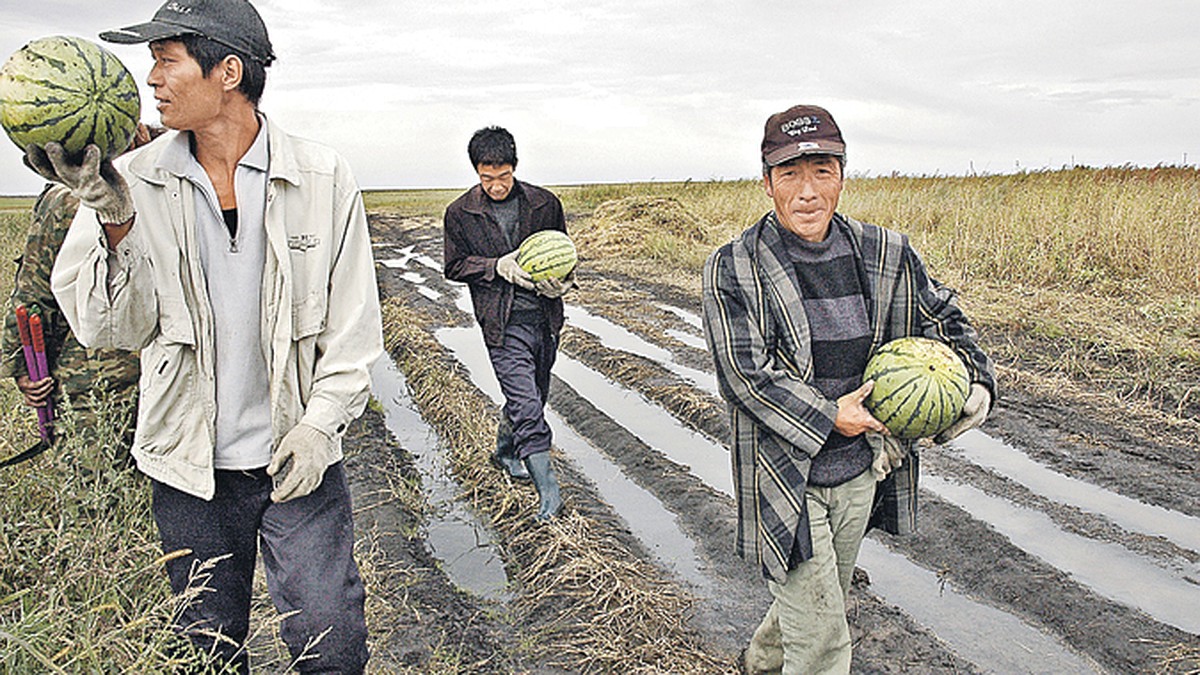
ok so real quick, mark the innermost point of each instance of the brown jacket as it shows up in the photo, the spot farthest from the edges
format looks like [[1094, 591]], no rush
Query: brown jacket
[[473, 242]]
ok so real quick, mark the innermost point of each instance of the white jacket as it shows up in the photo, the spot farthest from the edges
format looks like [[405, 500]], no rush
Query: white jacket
[[320, 316]]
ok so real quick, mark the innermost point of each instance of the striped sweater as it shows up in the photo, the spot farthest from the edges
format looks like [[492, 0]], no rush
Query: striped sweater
[[759, 337]]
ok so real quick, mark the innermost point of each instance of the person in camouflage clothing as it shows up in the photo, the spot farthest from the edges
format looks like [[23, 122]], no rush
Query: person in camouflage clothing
[[85, 378]]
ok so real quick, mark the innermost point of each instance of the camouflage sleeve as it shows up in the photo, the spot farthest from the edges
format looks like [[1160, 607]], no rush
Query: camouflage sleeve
[[52, 214]]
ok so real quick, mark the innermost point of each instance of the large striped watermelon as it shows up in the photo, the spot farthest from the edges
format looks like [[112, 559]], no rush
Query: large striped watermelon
[[547, 253], [70, 91], [920, 387]]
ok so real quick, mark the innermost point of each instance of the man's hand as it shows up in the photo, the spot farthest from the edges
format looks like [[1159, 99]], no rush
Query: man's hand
[[854, 419], [36, 393], [510, 271], [974, 412], [94, 181], [299, 462], [551, 287], [890, 453]]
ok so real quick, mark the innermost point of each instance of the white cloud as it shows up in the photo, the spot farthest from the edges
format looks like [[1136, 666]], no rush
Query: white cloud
[[625, 90]]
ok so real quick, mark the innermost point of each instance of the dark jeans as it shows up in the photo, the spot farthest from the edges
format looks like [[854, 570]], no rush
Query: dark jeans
[[522, 366], [307, 548]]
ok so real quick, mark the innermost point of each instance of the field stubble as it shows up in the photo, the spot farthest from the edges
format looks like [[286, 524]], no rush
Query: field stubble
[[586, 603]]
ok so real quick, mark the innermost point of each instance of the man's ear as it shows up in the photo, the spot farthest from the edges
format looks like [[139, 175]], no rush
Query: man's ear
[[230, 70], [767, 185]]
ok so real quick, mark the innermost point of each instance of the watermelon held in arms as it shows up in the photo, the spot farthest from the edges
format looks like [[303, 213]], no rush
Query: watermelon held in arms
[[920, 387], [547, 253], [69, 91]]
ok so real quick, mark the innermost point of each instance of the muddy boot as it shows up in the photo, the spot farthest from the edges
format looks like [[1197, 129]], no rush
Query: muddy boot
[[504, 457], [546, 483]]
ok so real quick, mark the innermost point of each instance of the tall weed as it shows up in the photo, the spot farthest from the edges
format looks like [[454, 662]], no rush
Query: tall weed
[[81, 583], [1111, 231], [82, 587]]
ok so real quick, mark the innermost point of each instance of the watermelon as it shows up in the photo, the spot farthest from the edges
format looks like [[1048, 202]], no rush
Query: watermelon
[[69, 91], [547, 253], [920, 387]]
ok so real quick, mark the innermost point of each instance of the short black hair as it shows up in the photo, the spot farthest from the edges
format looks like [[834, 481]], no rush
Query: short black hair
[[209, 54], [493, 146]]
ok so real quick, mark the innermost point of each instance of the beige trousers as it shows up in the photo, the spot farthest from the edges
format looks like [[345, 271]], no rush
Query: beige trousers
[[805, 630]]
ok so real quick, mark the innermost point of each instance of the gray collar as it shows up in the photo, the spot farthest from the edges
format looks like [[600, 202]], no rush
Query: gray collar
[[177, 158]]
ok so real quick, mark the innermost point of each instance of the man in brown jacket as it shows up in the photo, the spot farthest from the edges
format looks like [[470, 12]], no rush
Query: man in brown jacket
[[520, 319]]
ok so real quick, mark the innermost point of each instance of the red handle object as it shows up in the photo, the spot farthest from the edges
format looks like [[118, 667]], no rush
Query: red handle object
[[35, 332], [23, 329]]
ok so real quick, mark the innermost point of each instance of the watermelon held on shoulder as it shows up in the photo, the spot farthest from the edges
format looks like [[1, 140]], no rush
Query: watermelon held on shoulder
[[547, 253], [70, 91], [920, 387]]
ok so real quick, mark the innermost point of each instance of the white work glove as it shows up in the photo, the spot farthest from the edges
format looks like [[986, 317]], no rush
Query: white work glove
[[974, 412], [889, 455], [510, 271], [551, 287], [94, 181], [299, 462]]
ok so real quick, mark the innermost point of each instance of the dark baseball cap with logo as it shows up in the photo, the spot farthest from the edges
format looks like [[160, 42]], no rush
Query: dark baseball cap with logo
[[233, 23], [801, 130]]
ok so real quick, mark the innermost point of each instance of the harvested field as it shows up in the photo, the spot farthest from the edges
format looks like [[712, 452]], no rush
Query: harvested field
[[1021, 524], [1062, 538]]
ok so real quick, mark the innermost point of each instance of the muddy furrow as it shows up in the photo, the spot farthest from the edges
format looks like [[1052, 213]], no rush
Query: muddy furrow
[[692, 522], [417, 616], [585, 597], [1011, 551]]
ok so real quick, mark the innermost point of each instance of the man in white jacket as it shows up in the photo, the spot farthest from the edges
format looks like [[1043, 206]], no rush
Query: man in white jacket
[[237, 259]]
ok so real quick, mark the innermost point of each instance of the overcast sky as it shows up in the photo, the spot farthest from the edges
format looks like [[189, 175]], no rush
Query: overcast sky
[[630, 90]]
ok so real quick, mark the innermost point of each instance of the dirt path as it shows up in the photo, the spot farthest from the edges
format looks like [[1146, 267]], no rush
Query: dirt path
[[1072, 547]]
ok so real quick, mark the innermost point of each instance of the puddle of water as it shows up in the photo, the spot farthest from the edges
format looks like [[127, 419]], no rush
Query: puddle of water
[[463, 301], [688, 339], [994, 640], [409, 254], [647, 518], [414, 278], [707, 460], [454, 535], [617, 337], [429, 293], [428, 262], [643, 513], [1107, 568], [690, 318], [1131, 514]]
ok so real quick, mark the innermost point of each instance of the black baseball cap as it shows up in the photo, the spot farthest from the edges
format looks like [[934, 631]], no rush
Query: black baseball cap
[[801, 130], [233, 23]]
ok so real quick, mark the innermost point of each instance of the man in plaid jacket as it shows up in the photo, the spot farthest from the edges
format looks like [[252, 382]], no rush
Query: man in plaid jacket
[[793, 309]]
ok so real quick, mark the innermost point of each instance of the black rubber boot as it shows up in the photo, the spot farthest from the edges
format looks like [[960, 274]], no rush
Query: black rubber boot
[[504, 457], [546, 483]]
